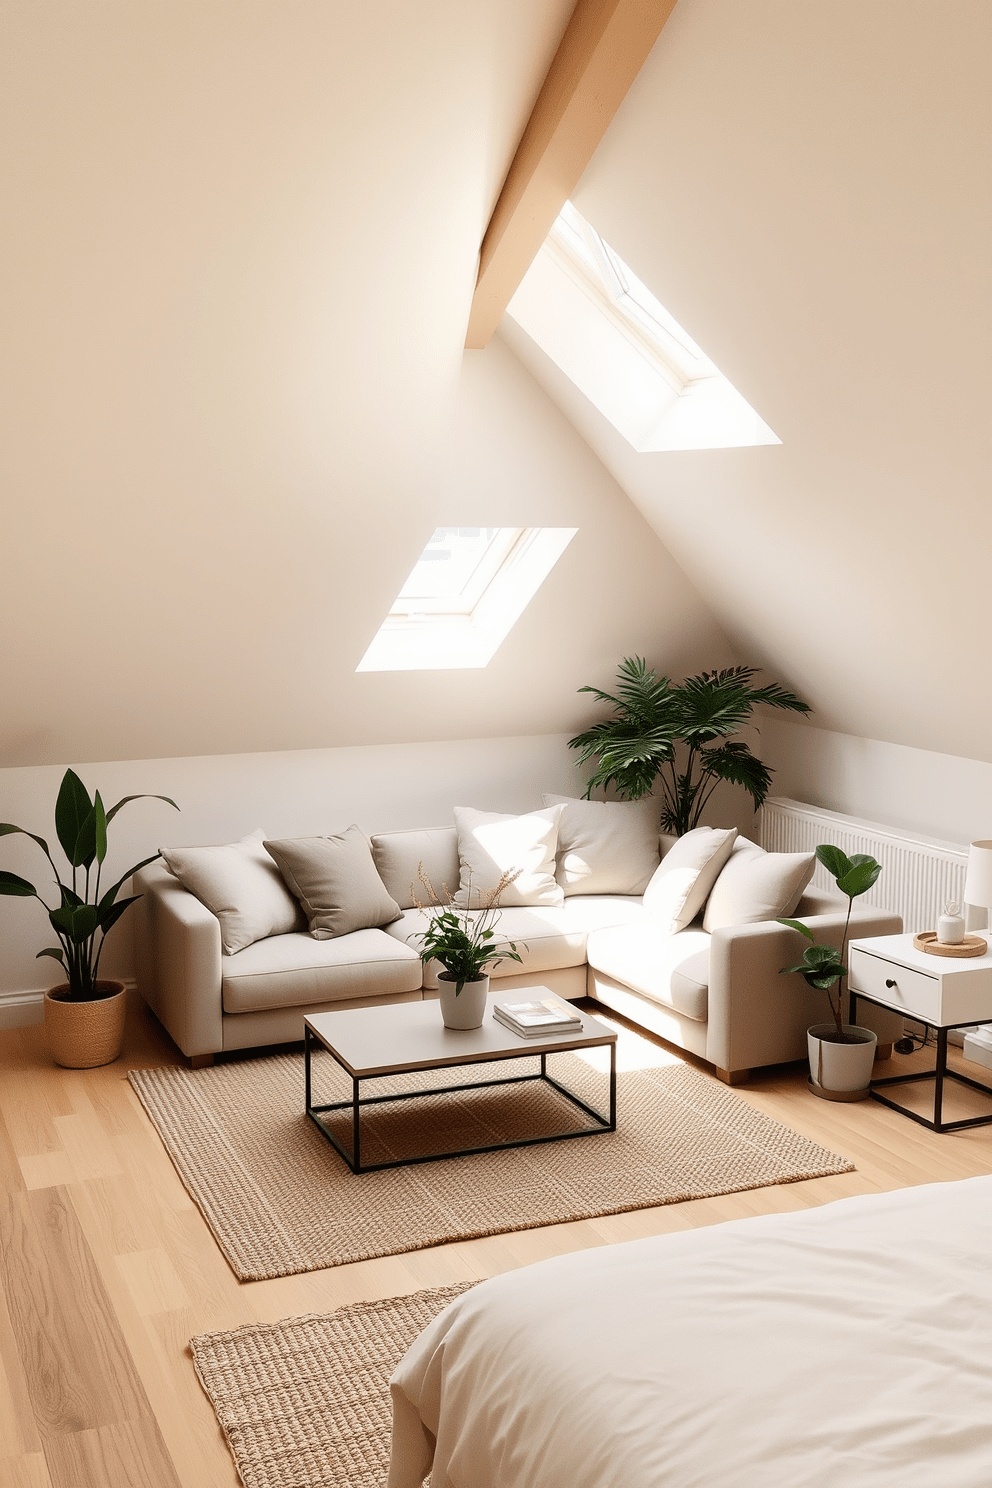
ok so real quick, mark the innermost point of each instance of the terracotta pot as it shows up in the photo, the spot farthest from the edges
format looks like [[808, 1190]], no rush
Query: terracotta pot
[[82, 1035], [467, 1008], [840, 1071]]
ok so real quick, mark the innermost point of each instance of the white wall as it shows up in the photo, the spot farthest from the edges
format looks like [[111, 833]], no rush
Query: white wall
[[940, 795], [804, 187]]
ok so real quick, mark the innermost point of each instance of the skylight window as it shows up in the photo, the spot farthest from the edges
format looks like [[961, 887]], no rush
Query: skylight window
[[610, 335], [466, 591]]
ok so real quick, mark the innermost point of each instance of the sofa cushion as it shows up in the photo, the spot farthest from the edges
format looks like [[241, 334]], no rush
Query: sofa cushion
[[336, 882], [241, 885], [548, 938], [685, 876], [606, 847], [398, 857], [298, 971], [491, 844], [670, 969], [756, 885]]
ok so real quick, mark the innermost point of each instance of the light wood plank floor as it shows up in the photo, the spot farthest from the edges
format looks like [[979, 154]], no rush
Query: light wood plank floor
[[107, 1269]]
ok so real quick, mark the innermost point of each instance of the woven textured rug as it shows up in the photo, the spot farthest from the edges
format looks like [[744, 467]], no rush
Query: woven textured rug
[[304, 1403], [280, 1200]]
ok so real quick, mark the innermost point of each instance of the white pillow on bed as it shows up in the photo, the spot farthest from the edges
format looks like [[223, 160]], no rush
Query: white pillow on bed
[[686, 874]]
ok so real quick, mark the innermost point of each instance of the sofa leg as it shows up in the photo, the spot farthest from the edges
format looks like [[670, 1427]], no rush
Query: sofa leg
[[732, 1077], [884, 1051], [200, 1061]]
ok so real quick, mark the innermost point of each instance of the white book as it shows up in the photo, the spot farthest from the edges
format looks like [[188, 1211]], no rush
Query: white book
[[546, 1016]]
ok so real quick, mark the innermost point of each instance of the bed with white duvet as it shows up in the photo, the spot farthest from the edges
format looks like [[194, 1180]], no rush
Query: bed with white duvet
[[839, 1347]]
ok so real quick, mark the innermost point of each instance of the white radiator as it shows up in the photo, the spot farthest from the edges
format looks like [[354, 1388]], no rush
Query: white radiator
[[919, 874]]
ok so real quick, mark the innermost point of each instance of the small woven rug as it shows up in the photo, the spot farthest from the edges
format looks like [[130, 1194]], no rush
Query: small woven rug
[[280, 1200], [304, 1403]]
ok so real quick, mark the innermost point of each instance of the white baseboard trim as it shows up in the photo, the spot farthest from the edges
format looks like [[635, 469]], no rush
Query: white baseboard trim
[[24, 1009], [21, 1009]]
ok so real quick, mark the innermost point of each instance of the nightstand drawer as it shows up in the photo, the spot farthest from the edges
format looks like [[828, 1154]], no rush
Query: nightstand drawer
[[900, 987]]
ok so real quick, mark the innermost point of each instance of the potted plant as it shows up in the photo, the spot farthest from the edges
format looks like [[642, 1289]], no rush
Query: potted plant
[[464, 942], [84, 1017], [652, 717], [841, 1054]]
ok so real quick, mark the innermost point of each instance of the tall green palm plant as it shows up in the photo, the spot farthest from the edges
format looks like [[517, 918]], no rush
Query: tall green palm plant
[[653, 717]]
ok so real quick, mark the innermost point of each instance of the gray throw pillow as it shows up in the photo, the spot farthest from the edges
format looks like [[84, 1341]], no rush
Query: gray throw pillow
[[240, 884], [336, 882]]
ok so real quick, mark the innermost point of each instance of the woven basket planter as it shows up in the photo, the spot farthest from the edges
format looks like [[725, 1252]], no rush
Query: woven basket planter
[[82, 1035]]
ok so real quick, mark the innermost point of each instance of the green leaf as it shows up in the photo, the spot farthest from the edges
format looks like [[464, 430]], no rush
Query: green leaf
[[72, 807], [100, 824], [15, 886], [113, 912], [79, 923], [69, 897], [141, 797], [835, 861], [6, 828], [735, 763], [55, 954], [860, 878], [798, 925], [84, 851], [111, 894]]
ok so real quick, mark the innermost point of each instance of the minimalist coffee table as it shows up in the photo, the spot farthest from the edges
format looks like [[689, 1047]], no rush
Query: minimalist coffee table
[[401, 1038]]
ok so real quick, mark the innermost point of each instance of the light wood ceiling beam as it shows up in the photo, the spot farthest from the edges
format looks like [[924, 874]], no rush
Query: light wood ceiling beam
[[604, 47]]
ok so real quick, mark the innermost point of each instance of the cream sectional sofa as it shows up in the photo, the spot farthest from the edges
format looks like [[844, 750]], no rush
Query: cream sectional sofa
[[718, 995]]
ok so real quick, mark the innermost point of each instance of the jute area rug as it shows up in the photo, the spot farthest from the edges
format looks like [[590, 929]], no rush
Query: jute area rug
[[304, 1403], [280, 1200]]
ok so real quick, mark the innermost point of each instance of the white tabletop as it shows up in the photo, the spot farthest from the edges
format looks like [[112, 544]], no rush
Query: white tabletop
[[411, 1036], [901, 948]]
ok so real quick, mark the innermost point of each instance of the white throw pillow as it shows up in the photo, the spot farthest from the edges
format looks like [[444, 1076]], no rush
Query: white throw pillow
[[755, 885], [241, 885], [606, 847], [687, 873], [491, 844]]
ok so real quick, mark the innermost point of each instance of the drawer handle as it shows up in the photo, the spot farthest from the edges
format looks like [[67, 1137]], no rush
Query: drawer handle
[[889, 982]]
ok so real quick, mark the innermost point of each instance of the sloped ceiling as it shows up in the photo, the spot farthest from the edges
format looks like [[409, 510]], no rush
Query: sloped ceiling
[[808, 189], [239, 245]]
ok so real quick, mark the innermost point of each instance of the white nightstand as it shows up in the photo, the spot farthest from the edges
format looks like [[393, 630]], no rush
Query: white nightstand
[[944, 992]]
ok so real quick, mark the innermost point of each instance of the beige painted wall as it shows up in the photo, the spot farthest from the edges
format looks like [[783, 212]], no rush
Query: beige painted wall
[[806, 188], [940, 795]]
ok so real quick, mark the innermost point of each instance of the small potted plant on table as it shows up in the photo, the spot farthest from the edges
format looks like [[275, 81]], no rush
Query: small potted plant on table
[[841, 1054], [464, 942], [84, 1017]]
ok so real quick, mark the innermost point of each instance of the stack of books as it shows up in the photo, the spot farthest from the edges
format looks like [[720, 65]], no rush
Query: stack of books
[[538, 1019]]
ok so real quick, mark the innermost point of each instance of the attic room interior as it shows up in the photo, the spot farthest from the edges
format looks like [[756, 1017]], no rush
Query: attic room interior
[[386, 389]]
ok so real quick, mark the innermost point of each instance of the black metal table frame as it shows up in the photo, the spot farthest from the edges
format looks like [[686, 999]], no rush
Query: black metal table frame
[[357, 1103], [938, 1074]]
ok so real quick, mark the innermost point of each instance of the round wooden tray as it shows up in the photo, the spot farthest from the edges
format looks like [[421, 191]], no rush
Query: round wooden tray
[[972, 945]]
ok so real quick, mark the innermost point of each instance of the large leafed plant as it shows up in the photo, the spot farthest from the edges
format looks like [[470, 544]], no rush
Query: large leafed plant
[[86, 911], [680, 736]]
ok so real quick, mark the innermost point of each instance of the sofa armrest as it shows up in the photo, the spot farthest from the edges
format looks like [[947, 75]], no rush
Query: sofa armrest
[[756, 1016], [818, 902], [178, 960]]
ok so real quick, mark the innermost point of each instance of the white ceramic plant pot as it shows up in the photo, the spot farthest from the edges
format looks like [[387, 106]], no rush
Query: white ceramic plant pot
[[843, 1070], [464, 1009]]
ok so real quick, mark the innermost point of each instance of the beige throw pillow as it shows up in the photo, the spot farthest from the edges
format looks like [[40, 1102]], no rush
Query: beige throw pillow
[[336, 882], [491, 843], [755, 885], [240, 884], [687, 873], [606, 847]]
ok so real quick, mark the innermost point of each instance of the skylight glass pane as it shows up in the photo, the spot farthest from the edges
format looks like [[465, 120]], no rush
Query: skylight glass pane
[[465, 593], [614, 339], [449, 562]]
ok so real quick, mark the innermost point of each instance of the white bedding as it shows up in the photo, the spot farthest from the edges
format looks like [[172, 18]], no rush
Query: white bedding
[[839, 1347]]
